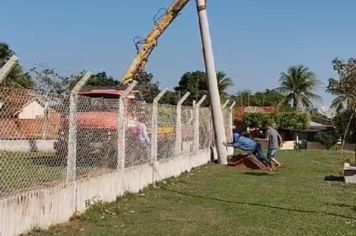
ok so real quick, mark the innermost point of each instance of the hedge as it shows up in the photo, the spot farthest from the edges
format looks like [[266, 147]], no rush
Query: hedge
[[283, 120]]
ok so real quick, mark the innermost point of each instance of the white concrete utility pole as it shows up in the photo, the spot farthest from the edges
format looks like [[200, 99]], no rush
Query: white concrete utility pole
[[218, 120]]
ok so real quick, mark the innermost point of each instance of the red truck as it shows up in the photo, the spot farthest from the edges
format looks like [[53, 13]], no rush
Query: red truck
[[97, 136], [97, 122]]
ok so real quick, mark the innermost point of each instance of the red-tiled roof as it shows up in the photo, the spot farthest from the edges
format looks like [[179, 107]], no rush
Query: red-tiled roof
[[9, 129], [13, 103], [30, 128]]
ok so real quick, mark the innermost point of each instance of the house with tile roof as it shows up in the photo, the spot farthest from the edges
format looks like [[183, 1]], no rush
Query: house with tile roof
[[25, 116]]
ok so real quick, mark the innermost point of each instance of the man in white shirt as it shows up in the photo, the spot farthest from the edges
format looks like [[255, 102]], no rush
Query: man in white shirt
[[143, 136]]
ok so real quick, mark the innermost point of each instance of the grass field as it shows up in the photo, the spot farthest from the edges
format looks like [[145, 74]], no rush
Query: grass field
[[21, 171], [305, 197]]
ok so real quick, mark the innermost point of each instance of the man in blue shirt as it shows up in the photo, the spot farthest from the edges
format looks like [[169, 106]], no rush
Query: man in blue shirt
[[250, 146]]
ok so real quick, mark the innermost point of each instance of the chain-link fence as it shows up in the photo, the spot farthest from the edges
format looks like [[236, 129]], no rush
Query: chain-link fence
[[167, 116], [226, 116], [187, 129], [205, 128], [138, 134], [30, 124], [47, 139], [97, 135]]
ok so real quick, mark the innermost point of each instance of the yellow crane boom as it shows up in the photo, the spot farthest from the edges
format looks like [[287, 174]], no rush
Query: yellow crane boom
[[150, 42]]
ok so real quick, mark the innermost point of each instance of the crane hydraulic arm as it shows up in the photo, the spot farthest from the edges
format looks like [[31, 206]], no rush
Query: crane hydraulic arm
[[150, 42]]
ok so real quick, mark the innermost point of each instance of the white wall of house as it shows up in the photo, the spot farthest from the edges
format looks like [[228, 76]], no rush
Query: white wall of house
[[27, 145], [288, 145], [32, 110]]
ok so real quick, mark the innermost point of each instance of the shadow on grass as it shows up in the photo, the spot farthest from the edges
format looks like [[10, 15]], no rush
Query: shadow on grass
[[343, 205], [259, 205], [334, 178], [258, 173]]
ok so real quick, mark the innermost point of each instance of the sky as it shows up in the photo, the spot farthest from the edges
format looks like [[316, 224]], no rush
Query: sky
[[254, 40]]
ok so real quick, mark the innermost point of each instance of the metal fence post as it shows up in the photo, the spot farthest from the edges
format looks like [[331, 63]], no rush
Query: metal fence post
[[178, 146], [196, 125], [121, 130], [230, 133], [7, 68], [72, 134], [155, 125]]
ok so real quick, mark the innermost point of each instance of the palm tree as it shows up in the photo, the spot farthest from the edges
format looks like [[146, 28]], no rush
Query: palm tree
[[344, 99], [297, 86], [342, 102], [223, 83]]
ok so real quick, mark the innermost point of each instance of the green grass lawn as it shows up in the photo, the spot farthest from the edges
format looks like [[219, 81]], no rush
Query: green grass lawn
[[22, 171], [217, 200]]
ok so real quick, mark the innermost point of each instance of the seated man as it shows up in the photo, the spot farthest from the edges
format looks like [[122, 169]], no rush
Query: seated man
[[250, 146]]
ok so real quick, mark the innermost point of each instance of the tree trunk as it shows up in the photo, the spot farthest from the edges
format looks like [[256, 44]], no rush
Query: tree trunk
[[346, 131], [295, 104], [355, 132]]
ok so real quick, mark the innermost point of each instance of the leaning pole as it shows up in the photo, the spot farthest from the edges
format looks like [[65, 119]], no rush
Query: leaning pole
[[218, 121]]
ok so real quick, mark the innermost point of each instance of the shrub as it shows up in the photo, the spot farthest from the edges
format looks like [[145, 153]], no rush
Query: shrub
[[283, 120], [328, 139], [292, 120], [256, 120]]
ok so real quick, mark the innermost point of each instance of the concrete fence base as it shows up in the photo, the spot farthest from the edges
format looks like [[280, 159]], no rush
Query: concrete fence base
[[45, 207]]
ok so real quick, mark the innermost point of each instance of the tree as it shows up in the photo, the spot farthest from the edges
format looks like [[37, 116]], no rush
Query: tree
[[197, 84], [170, 97], [340, 103], [148, 89], [328, 139], [344, 89], [5, 53], [48, 81], [193, 82], [224, 83], [101, 79], [267, 98], [343, 121], [243, 98], [283, 120], [17, 77], [297, 86]]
